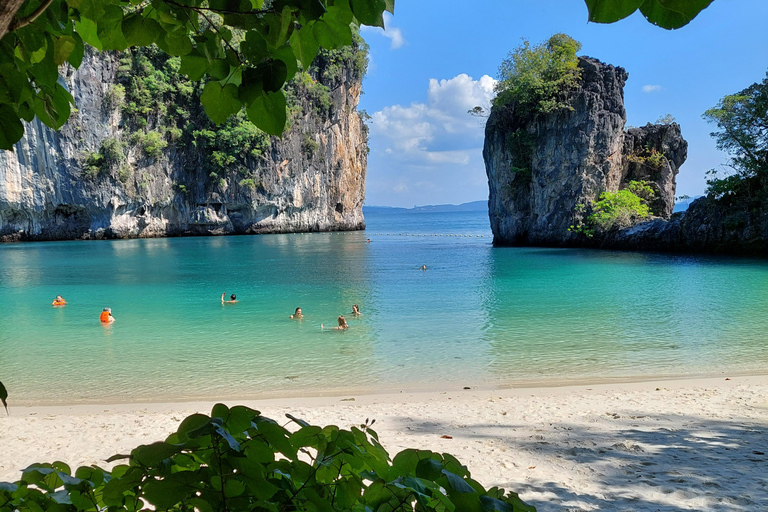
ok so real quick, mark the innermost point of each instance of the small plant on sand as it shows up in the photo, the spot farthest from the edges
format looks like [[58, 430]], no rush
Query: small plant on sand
[[237, 459]]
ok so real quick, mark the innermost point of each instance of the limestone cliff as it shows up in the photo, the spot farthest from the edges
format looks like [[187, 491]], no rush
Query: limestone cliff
[[545, 171], [162, 171]]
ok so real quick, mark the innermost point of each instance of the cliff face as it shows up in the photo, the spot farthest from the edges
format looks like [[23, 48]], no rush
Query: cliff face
[[542, 187], [102, 176]]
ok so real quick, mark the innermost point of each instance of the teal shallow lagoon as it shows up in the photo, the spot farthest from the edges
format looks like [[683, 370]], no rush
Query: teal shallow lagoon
[[479, 316]]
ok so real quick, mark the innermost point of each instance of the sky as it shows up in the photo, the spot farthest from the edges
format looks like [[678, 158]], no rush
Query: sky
[[437, 59]]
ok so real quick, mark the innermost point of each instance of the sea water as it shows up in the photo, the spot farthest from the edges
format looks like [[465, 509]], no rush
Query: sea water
[[479, 316]]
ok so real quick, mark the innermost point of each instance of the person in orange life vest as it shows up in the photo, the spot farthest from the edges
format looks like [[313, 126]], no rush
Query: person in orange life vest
[[106, 316], [59, 301]]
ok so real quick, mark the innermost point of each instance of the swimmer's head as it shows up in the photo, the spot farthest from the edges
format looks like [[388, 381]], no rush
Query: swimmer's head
[[108, 310], [233, 297], [297, 312], [342, 322], [58, 297], [355, 309]]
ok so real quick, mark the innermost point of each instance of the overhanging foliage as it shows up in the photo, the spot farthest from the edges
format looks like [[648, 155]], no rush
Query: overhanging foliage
[[238, 460]]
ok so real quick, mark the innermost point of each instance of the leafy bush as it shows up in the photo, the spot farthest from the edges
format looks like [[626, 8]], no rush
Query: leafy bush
[[151, 142], [124, 173], [237, 459], [309, 145], [92, 165], [112, 150], [651, 158], [538, 78], [616, 210], [114, 98]]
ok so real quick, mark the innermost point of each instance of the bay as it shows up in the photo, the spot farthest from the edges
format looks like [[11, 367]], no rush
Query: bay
[[478, 316]]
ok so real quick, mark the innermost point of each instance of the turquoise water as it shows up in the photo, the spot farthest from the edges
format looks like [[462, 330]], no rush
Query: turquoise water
[[479, 316]]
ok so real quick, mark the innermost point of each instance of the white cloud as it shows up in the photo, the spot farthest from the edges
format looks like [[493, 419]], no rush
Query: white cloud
[[651, 88], [394, 34], [431, 146], [439, 130]]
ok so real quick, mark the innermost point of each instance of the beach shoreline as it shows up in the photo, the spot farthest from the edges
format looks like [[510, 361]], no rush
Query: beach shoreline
[[649, 445]]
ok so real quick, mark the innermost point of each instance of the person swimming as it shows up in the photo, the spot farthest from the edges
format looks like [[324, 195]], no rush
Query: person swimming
[[297, 315], [232, 299], [423, 267], [341, 327], [356, 310], [59, 301], [106, 316]]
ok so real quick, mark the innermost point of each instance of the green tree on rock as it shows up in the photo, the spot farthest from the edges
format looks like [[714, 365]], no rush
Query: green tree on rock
[[538, 78], [742, 119]]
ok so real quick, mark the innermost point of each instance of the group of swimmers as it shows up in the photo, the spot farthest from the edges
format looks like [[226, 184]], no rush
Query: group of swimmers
[[298, 315], [105, 317]]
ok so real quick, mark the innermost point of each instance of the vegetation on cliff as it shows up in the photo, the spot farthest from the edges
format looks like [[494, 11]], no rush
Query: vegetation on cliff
[[537, 78], [742, 119], [236, 459], [616, 210]]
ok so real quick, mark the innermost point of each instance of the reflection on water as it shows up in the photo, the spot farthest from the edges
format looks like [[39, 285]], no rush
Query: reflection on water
[[477, 316]]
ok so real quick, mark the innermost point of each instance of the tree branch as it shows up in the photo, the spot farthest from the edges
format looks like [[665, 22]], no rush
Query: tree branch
[[7, 12], [23, 22]]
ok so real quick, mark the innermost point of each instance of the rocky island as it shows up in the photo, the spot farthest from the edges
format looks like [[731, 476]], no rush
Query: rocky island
[[573, 175]]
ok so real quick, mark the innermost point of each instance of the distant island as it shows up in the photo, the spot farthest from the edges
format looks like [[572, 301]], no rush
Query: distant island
[[474, 206]]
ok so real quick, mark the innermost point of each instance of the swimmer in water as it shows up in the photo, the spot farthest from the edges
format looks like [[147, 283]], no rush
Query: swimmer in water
[[106, 316], [341, 327], [59, 301], [423, 267], [232, 299], [356, 310], [297, 315]]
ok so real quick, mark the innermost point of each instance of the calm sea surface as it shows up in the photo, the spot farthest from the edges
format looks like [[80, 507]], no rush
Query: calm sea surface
[[479, 316]]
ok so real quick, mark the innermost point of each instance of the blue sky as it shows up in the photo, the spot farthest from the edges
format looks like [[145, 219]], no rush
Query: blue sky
[[438, 58]]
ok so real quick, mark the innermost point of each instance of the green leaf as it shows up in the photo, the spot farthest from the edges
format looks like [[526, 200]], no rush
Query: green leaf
[[166, 493], [332, 34], [369, 12], [390, 6], [220, 102], [86, 28], [273, 74], [63, 47], [76, 57], [151, 455], [193, 65], [493, 505], [456, 483], [429, 469], [278, 25], [139, 31], [672, 14], [254, 48], [251, 87], [608, 11], [6, 116], [219, 69], [110, 30], [53, 109], [305, 45]]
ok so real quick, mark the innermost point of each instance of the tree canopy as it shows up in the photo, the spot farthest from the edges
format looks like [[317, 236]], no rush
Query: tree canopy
[[743, 122], [245, 50], [537, 78]]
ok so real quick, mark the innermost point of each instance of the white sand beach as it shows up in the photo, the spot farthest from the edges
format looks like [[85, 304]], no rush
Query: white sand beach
[[652, 446]]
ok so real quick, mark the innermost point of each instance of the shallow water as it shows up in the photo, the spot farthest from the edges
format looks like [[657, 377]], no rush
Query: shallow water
[[479, 316]]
